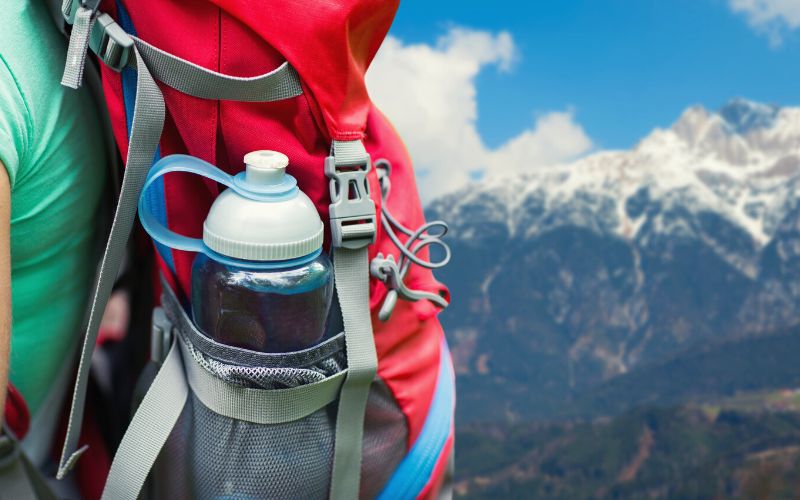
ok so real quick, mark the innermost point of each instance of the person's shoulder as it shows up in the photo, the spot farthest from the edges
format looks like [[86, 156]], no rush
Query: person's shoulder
[[32, 48], [15, 121], [33, 52]]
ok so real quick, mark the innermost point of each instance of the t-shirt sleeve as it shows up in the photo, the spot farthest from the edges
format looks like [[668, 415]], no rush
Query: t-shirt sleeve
[[14, 121]]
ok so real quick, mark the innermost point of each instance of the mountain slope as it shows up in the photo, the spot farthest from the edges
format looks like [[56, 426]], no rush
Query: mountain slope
[[572, 276]]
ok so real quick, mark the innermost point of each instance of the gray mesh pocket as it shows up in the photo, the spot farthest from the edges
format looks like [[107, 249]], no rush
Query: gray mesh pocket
[[212, 456]]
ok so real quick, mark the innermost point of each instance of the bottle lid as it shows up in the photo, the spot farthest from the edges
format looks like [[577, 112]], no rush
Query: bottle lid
[[276, 222]]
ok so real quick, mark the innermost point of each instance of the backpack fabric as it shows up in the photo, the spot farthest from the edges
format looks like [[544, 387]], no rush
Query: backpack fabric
[[330, 46]]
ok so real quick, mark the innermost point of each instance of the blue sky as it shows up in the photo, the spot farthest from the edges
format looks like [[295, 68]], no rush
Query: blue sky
[[622, 66]]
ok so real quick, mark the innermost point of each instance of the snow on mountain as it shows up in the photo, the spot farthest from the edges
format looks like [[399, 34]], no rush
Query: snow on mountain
[[741, 162]]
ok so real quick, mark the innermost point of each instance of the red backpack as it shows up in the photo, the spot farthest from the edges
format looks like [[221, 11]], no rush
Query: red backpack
[[216, 80]]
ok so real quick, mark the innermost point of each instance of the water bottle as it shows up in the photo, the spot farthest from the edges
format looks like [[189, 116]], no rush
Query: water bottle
[[260, 279]]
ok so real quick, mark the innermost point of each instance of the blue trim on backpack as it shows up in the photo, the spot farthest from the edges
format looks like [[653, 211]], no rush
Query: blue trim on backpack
[[156, 196], [414, 472]]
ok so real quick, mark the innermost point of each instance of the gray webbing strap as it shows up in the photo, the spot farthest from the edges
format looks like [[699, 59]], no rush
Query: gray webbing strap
[[77, 50], [149, 430], [351, 274], [349, 153], [260, 406], [66, 6], [148, 121], [189, 78]]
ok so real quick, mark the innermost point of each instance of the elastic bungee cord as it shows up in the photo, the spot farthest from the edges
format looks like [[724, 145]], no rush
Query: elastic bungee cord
[[392, 272]]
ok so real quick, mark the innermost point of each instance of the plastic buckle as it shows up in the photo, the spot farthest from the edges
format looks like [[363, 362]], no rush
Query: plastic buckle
[[352, 211], [110, 42], [71, 9]]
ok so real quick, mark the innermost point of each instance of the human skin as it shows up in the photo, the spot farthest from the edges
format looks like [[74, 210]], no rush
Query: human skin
[[5, 283]]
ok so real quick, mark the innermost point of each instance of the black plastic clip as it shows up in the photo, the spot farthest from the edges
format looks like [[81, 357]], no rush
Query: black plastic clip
[[110, 42], [71, 9]]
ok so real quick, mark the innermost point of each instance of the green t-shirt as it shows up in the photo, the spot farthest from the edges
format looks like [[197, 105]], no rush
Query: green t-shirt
[[50, 144]]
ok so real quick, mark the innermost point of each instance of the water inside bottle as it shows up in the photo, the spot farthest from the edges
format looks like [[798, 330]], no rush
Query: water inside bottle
[[280, 310]]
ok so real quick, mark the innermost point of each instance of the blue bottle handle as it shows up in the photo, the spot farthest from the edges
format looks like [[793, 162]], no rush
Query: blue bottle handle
[[177, 163], [185, 163]]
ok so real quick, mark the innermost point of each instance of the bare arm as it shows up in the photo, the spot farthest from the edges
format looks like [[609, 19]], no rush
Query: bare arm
[[5, 283]]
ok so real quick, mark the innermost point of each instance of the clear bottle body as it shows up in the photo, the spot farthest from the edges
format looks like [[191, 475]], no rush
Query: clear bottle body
[[268, 310]]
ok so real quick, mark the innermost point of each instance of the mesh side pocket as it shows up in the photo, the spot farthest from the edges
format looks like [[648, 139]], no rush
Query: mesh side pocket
[[212, 456]]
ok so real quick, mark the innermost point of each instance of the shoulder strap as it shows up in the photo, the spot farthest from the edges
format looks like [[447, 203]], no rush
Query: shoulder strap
[[148, 122]]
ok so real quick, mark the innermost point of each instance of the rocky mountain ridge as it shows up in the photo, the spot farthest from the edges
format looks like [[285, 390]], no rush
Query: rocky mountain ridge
[[570, 276]]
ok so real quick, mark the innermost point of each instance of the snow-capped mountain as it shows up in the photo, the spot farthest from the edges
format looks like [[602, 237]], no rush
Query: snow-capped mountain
[[741, 162], [573, 275]]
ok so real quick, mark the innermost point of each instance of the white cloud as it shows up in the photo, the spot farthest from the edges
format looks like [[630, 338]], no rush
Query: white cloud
[[429, 93], [771, 17]]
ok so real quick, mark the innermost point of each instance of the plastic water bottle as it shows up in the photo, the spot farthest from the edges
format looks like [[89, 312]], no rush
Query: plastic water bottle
[[280, 301], [260, 279]]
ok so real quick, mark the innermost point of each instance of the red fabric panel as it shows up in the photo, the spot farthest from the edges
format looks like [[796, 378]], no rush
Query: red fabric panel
[[408, 362], [16, 413], [330, 44], [112, 88], [92, 469]]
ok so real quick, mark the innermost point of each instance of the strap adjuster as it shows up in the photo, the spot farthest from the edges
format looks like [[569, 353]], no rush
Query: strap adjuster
[[70, 9], [352, 211], [110, 42]]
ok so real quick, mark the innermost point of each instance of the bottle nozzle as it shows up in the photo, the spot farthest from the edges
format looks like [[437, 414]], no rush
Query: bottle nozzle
[[265, 167]]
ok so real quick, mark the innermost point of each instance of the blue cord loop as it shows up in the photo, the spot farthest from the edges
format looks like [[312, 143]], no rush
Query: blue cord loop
[[392, 272]]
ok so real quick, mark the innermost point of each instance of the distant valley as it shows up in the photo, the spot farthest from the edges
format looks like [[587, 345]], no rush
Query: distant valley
[[746, 447]]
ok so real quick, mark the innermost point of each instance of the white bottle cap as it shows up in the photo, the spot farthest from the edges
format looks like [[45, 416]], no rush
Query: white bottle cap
[[281, 224], [265, 167]]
